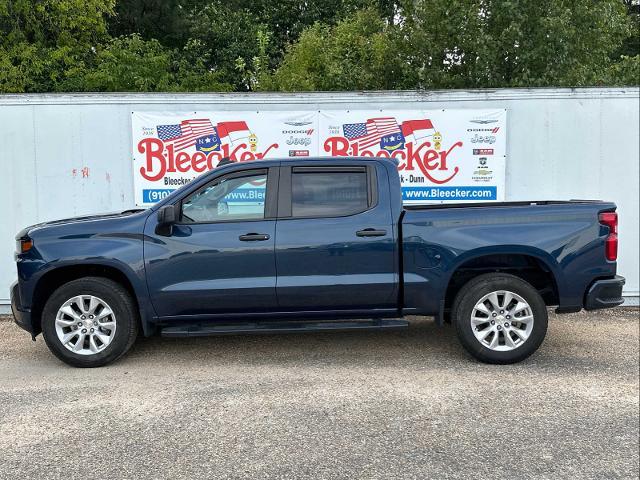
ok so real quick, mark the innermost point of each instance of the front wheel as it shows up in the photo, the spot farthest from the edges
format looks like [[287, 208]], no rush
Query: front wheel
[[89, 322], [499, 318]]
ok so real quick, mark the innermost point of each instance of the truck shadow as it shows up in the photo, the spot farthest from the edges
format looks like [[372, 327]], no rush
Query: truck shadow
[[575, 343], [423, 345]]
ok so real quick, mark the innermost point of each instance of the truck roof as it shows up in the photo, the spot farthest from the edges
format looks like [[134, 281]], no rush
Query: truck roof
[[301, 160]]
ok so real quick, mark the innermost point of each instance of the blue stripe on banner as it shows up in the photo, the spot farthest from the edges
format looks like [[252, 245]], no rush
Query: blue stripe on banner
[[155, 195], [449, 193], [237, 196]]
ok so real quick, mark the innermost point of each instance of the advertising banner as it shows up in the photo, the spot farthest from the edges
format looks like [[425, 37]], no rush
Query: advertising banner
[[442, 155]]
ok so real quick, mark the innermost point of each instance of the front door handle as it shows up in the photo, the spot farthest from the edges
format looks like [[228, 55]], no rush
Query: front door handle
[[254, 237], [371, 232]]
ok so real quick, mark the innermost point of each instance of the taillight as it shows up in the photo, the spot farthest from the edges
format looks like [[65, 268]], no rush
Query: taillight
[[610, 219]]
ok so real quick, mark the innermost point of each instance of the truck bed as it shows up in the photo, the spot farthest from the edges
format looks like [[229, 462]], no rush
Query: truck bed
[[562, 238]]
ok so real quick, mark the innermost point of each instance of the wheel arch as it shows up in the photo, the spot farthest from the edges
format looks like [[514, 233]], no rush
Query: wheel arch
[[49, 281], [534, 266]]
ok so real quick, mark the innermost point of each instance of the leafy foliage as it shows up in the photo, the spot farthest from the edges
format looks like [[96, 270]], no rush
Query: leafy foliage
[[359, 53], [126, 64], [233, 45], [463, 44], [41, 41], [624, 72]]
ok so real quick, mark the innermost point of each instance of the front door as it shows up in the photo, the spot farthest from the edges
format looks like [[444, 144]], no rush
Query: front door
[[335, 244], [220, 256]]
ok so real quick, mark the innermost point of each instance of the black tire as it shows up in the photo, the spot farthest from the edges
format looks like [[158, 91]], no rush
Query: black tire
[[473, 291], [123, 306]]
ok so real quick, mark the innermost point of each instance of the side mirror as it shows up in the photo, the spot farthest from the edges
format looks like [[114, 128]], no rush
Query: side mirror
[[167, 215]]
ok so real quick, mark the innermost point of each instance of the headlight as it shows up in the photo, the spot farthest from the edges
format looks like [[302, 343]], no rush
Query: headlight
[[24, 245]]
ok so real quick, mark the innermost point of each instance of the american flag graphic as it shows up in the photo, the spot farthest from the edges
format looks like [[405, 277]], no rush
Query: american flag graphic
[[185, 134], [371, 132]]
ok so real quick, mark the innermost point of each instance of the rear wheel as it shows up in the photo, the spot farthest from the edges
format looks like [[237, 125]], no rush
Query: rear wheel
[[499, 318], [89, 322]]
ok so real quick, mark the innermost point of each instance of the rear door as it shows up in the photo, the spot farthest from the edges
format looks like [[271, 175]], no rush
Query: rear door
[[335, 248]]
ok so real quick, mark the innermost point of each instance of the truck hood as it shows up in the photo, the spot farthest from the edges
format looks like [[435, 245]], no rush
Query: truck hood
[[25, 232]]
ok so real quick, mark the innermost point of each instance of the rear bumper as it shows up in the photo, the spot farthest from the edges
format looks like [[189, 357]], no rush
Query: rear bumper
[[21, 316], [604, 293]]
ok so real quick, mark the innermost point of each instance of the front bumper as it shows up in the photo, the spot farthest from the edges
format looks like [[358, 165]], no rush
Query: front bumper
[[604, 293], [21, 316]]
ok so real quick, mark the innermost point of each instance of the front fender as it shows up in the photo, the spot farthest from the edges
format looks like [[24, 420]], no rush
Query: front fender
[[113, 244]]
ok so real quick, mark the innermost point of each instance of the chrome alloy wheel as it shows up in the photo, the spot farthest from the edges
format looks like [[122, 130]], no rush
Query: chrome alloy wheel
[[502, 321], [85, 324]]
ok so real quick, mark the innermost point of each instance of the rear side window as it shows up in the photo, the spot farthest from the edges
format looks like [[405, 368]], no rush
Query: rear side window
[[328, 194]]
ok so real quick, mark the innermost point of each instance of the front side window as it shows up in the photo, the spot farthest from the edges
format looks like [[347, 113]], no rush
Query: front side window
[[228, 199], [328, 194]]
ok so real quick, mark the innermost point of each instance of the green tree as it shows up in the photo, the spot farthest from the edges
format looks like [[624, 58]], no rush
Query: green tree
[[162, 20], [359, 53], [285, 20], [42, 41], [131, 64], [126, 64], [464, 44], [504, 43], [215, 45], [239, 33], [631, 45], [626, 67], [226, 35], [625, 71], [192, 71], [176, 22]]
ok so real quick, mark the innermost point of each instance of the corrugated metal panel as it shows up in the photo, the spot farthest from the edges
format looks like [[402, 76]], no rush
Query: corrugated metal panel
[[69, 154]]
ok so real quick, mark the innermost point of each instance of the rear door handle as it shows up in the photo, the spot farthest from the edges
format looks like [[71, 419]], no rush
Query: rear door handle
[[254, 237], [371, 232]]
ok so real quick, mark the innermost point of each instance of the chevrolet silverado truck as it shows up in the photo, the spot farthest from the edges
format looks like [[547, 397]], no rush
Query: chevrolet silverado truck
[[312, 245]]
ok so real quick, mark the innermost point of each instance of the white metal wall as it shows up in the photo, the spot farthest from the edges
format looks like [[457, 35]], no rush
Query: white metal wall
[[66, 155]]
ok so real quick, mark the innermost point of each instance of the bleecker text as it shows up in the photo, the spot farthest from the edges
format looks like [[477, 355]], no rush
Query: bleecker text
[[432, 163], [160, 160]]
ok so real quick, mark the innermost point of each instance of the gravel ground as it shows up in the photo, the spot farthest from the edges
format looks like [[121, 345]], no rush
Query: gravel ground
[[405, 404]]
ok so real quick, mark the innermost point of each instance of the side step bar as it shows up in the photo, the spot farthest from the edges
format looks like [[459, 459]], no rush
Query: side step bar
[[281, 327]]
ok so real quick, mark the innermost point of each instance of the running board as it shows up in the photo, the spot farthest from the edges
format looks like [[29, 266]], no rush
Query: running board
[[281, 327]]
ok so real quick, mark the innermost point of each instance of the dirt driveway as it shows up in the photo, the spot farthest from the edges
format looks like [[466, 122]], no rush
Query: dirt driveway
[[346, 405]]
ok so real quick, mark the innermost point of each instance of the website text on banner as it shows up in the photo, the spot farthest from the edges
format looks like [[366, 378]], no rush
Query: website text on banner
[[443, 155]]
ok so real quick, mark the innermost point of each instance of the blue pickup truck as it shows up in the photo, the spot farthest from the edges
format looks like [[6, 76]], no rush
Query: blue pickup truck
[[312, 245]]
